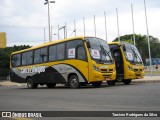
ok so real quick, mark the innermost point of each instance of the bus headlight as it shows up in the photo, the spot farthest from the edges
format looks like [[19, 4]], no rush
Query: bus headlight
[[130, 68], [95, 68]]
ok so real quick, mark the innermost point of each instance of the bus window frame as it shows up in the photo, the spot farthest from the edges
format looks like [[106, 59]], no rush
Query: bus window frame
[[13, 66], [76, 52], [33, 63]]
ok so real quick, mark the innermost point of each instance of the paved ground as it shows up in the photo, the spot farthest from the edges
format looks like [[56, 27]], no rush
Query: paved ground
[[137, 96], [134, 97], [141, 95]]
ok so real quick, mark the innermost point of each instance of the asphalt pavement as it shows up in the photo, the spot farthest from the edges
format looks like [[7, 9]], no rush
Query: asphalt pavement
[[140, 95]]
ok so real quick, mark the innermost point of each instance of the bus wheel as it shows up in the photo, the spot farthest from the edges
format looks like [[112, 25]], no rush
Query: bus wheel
[[31, 84], [111, 82], [127, 82], [97, 84], [51, 85], [74, 82]]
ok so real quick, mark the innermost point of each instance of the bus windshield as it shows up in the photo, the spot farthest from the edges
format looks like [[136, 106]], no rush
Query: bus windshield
[[132, 54], [99, 50]]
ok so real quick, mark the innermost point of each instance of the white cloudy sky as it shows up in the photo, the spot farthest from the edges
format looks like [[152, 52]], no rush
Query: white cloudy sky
[[24, 20]]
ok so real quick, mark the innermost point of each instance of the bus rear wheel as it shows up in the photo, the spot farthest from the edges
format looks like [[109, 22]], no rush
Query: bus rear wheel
[[97, 84], [51, 85], [74, 82], [31, 84], [111, 82], [127, 82]]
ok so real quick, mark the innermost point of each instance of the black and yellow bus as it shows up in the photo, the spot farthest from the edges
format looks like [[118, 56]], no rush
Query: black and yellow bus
[[74, 62], [129, 64]]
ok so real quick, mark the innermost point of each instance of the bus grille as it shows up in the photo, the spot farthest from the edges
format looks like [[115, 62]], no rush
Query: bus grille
[[138, 70], [106, 76], [107, 73], [106, 70]]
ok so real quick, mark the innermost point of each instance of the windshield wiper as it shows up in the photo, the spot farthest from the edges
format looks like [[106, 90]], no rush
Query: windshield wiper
[[135, 54], [105, 52]]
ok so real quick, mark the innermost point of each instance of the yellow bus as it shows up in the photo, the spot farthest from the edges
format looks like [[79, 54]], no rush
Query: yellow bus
[[74, 62], [129, 64]]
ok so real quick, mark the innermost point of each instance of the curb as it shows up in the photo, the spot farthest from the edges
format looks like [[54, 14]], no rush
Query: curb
[[133, 81], [145, 81]]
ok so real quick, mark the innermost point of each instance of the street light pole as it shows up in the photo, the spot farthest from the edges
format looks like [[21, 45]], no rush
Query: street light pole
[[48, 2], [134, 41], [149, 48], [118, 25]]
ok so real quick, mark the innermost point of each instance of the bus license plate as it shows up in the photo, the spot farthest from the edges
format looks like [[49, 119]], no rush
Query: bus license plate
[[108, 79]]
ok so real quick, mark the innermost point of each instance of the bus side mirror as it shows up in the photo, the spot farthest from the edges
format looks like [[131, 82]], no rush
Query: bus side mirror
[[88, 44], [124, 48]]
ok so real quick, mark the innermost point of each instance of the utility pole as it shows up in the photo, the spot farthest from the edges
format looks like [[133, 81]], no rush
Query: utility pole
[[105, 25], [133, 25], [48, 2], [149, 49], [118, 25]]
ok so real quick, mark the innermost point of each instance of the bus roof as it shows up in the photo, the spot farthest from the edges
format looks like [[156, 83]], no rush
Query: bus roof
[[49, 43], [119, 43]]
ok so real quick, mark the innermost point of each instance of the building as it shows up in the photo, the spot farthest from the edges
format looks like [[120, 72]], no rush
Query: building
[[3, 40]]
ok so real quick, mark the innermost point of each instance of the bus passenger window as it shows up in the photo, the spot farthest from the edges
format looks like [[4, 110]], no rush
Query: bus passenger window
[[81, 54], [37, 56], [72, 48], [29, 57], [40, 55], [24, 58], [60, 51], [43, 54], [52, 53], [16, 60]]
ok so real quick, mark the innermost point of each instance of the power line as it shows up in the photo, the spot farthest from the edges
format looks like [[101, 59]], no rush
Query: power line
[[25, 27]]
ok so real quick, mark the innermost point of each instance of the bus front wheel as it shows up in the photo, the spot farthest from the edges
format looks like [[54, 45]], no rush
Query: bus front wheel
[[97, 84], [74, 82], [31, 84], [127, 82]]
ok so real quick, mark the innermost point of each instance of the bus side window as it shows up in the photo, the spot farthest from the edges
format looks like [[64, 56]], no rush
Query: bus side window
[[16, 60], [29, 57], [81, 54], [40, 55], [61, 51], [37, 55], [24, 58], [72, 47], [52, 53], [43, 54]]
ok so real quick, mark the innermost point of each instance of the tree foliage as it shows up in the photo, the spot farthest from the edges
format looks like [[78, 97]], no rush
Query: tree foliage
[[5, 58], [142, 45]]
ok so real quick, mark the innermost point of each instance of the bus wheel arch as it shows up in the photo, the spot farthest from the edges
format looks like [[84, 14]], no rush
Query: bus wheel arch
[[96, 84], [30, 83], [73, 80]]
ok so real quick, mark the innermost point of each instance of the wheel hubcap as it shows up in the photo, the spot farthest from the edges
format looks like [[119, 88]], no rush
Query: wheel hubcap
[[74, 82]]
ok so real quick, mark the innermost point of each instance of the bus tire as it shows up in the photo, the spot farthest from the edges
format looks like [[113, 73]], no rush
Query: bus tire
[[111, 82], [97, 84], [51, 85], [74, 82], [31, 84], [127, 82]]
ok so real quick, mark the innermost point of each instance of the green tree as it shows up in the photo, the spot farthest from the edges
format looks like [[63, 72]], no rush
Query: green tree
[[5, 58]]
